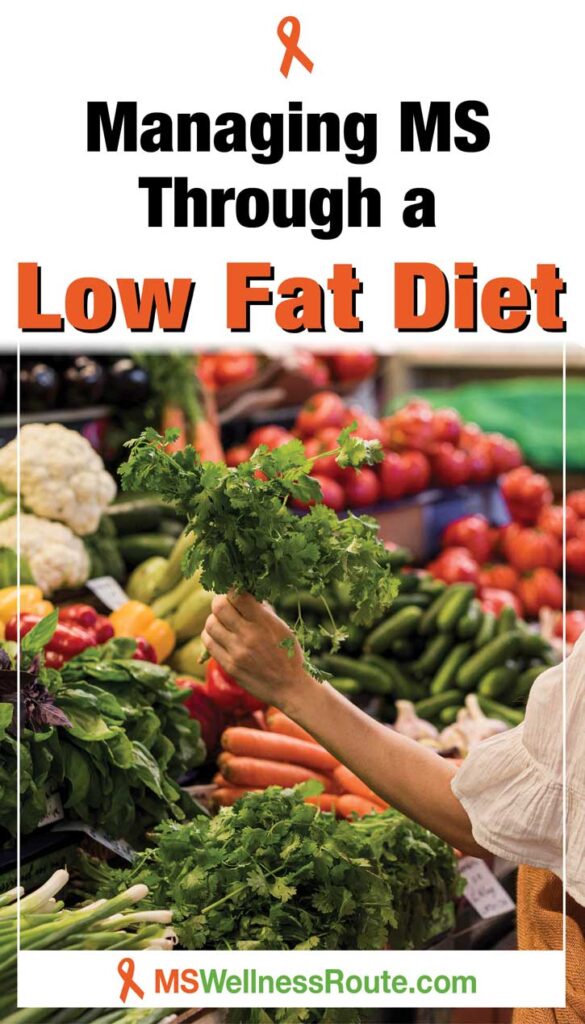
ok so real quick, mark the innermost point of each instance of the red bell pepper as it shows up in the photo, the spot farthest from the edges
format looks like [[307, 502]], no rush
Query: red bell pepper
[[79, 614], [144, 651], [54, 660], [226, 692], [67, 639], [104, 630]]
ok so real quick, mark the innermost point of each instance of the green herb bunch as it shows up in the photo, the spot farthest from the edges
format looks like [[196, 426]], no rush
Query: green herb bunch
[[246, 538]]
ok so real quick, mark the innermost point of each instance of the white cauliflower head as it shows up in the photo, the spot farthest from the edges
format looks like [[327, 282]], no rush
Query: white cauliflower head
[[61, 476], [57, 558]]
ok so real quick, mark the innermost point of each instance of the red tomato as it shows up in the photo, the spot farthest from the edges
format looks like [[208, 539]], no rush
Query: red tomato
[[494, 599], [575, 625], [576, 501], [332, 491], [393, 476], [272, 436], [325, 441], [234, 367], [505, 453], [450, 465], [447, 425], [470, 435], [237, 453], [310, 366], [576, 556], [528, 549], [553, 517], [471, 532], [353, 365], [580, 528], [324, 409], [481, 467], [361, 487], [541, 589], [410, 427], [501, 577], [526, 493], [368, 427], [455, 565], [418, 471]]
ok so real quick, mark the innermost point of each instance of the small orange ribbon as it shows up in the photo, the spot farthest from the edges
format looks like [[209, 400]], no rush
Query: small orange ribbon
[[126, 972], [292, 50]]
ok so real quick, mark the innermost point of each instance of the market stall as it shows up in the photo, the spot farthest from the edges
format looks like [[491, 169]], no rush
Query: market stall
[[419, 567]]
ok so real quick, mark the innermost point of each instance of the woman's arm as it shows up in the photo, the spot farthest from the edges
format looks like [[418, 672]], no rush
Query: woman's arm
[[245, 637]]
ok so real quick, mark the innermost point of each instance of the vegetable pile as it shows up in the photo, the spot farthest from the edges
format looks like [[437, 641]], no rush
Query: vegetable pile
[[245, 537], [273, 872], [46, 924]]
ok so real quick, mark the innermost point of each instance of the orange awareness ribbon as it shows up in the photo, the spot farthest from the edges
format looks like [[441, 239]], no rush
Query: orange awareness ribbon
[[126, 972], [292, 50]]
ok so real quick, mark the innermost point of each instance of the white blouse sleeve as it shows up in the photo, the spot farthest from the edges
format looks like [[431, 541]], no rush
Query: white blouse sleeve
[[511, 785]]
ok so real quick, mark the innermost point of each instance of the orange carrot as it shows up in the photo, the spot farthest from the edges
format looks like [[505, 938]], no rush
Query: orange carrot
[[219, 779], [252, 771], [223, 758], [349, 804], [275, 747], [225, 796], [325, 801], [206, 442], [351, 784], [173, 418], [277, 721]]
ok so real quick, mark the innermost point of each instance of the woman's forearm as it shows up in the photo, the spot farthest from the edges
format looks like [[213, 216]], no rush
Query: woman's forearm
[[410, 777]]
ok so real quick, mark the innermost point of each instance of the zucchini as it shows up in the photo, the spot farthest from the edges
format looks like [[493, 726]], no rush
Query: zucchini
[[345, 685], [136, 548], [511, 716], [523, 685], [486, 631], [432, 706], [449, 715], [493, 654], [506, 620], [403, 623], [432, 656], [370, 677], [497, 681], [455, 607], [470, 623], [428, 623], [447, 673]]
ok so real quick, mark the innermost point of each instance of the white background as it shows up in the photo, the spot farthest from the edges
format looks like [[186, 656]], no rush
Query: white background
[[507, 208], [503, 978]]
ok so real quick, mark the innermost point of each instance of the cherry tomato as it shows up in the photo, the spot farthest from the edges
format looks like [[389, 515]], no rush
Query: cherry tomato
[[552, 519], [541, 589], [235, 367], [447, 425], [450, 465], [354, 365], [471, 532], [418, 471], [576, 556], [361, 487], [237, 453], [272, 436], [455, 565], [393, 476], [324, 409]]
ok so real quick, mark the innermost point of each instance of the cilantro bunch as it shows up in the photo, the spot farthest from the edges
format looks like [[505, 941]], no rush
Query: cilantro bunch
[[247, 539]]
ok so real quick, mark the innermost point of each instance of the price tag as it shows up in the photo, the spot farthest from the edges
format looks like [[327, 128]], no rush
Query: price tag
[[109, 592], [487, 897], [54, 810], [117, 846]]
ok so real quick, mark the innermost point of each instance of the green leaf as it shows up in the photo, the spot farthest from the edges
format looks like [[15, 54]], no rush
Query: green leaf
[[40, 635]]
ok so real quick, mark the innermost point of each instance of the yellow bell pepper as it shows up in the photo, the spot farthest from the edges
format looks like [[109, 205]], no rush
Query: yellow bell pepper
[[136, 619], [29, 597]]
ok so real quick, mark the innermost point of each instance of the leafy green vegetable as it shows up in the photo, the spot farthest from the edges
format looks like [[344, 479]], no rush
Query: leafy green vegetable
[[246, 538], [273, 872], [40, 635]]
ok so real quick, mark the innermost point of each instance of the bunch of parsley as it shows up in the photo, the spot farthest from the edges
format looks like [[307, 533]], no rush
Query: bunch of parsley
[[247, 539]]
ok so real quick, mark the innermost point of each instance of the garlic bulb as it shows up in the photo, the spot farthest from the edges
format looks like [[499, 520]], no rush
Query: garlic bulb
[[409, 724], [470, 727]]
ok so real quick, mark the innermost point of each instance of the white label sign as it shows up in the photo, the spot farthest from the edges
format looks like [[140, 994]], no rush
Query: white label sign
[[108, 591], [487, 897]]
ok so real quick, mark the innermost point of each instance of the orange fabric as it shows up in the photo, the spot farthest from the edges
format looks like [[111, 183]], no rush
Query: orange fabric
[[540, 926]]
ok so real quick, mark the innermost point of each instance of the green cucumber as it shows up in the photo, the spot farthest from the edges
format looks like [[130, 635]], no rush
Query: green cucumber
[[409, 582], [428, 623], [137, 515], [136, 548], [404, 648], [435, 652], [455, 607], [354, 640], [497, 681], [511, 716], [432, 706], [403, 686], [410, 601], [403, 623], [447, 673], [345, 685], [470, 623], [534, 645], [370, 677], [486, 631], [506, 620], [493, 654], [292, 601], [432, 586], [523, 685], [449, 715]]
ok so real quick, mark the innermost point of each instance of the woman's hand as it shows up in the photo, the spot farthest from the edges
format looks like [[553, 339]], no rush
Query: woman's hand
[[245, 637]]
